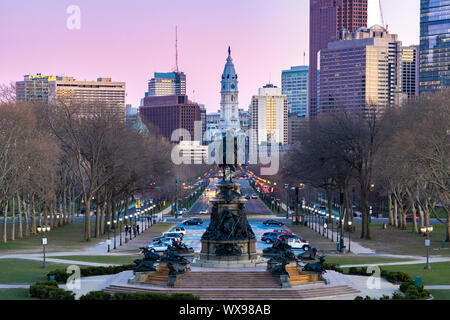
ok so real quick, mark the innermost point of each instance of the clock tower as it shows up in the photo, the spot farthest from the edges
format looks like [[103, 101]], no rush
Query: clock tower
[[229, 105]]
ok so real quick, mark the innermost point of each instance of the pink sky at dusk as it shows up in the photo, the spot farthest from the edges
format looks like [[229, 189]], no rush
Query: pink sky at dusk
[[130, 40]]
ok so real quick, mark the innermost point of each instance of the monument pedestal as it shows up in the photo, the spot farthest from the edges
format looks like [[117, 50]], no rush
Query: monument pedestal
[[229, 240]]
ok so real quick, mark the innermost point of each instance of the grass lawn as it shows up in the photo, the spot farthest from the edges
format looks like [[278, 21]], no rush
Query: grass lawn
[[440, 294], [403, 242], [362, 260], [18, 271], [66, 238], [102, 259], [15, 294], [438, 275]]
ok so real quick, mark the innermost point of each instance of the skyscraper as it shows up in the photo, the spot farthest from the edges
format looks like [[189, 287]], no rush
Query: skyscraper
[[269, 112], [169, 113], [294, 84], [167, 84], [410, 71], [327, 18], [434, 45], [361, 69]]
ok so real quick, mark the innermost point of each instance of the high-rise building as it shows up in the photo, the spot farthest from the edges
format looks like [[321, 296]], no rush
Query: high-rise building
[[410, 71], [327, 17], [169, 113], [297, 126], [229, 102], [361, 69], [269, 114], [294, 84], [434, 45], [57, 90], [167, 84]]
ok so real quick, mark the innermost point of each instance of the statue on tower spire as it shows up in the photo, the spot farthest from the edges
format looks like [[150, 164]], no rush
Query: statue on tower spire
[[229, 50]]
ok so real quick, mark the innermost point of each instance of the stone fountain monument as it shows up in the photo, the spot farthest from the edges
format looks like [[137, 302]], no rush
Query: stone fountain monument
[[229, 237]]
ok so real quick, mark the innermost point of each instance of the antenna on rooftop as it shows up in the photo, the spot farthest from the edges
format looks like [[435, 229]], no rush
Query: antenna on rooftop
[[382, 16]]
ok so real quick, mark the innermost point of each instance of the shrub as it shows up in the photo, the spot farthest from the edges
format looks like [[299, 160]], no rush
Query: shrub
[[48, 290], [413, 292], [61, 275], [398, 277], [97, 295]]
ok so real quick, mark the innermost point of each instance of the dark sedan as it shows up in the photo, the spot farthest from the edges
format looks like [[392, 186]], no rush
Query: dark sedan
[[269, 237], [273, 223], [193, 222]]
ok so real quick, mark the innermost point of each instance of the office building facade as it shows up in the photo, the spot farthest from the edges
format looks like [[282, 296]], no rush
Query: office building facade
[[327, 17], [410, 71], [362, 69], [434, 45], [269, 117], [167, 84], [61, 89], [294, 84], [169, 113]]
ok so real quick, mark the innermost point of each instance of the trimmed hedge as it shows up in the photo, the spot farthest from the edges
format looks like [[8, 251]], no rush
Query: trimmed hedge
[[148, 296], [410, 292], [49, 290], [395, 277], [61, 275]]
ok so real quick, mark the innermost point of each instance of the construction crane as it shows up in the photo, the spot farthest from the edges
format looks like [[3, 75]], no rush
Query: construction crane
[[382, 16]]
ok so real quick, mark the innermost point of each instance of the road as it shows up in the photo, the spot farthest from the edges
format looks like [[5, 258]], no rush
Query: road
[[253, 206]]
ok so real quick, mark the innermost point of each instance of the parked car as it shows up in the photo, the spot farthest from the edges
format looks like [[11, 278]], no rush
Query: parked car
[[282, 231], [297, 243], [181, 230], [269, 237], [254, 196], [193, 221], [169, 236], [273, 222], [248, 197], [159, 246], [204, 211], [283, 237], [409, 218]]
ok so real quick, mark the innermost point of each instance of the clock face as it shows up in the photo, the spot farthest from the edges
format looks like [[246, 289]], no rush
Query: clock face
[[233, 86]]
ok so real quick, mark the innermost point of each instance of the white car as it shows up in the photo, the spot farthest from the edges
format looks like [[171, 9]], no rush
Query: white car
[[159, 246], [181, 230], [296, 243], [204, 211]]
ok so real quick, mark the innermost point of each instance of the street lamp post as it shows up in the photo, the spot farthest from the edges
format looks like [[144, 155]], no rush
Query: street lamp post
[[120, 231], [427, 230], [115, 233], [349, 235], [108, 241], [43, 230], [287, 200]]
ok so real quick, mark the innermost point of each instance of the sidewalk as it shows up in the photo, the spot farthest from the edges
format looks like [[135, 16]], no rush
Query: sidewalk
[[355, 247]]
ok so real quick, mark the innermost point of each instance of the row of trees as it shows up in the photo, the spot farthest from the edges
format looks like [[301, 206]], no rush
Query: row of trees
[[56, 161], [400, 152]]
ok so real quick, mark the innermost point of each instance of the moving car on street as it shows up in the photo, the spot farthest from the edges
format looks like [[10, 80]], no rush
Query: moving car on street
[[203, 211], [169, 236], [283, 231], [270, 237], [193, 222], [273, 223], [159, 246], [181, 230], [297, 243]]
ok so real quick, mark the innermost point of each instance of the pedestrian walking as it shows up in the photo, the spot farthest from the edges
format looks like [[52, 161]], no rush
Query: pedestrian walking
[[137, 229]]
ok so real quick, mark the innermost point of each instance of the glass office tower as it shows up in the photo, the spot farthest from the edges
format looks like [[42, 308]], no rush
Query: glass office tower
[[434, 45]]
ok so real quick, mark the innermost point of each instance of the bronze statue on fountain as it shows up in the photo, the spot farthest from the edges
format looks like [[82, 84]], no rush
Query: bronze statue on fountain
[[229, 236]]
